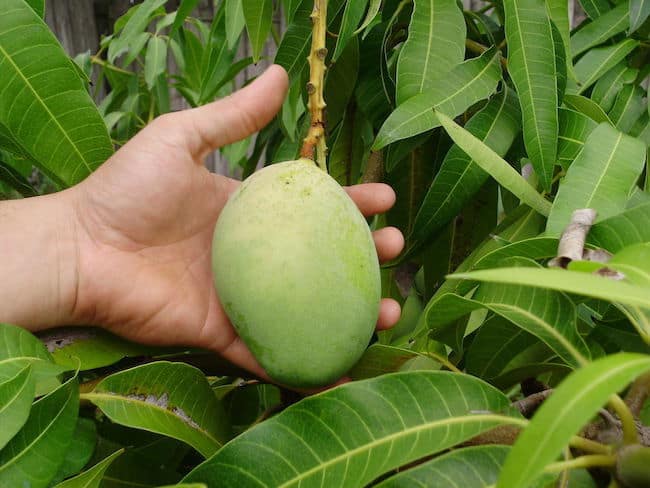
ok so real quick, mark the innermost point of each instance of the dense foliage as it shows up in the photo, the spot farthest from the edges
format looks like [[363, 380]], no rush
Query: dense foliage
[[494, 126]]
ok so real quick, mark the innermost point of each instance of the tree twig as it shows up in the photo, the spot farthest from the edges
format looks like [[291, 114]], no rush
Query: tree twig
[[314, 146]]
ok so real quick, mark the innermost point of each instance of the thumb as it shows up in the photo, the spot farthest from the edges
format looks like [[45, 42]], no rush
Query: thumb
[[235, 117]]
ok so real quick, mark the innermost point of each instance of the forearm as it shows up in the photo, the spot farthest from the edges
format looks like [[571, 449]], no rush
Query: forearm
[[38, 262]]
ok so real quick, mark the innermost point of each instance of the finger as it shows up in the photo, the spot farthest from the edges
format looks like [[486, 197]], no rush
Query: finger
[[238, 353], [389, 313], [389, 242], [235, 117], [372, 198]]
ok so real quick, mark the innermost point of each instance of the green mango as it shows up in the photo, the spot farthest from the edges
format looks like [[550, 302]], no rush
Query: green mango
[[296, 270]]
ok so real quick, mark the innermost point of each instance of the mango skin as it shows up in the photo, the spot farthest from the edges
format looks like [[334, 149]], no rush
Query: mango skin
[[296, 270]]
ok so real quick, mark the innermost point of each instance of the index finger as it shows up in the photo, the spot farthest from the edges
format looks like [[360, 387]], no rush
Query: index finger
[[372, 198]]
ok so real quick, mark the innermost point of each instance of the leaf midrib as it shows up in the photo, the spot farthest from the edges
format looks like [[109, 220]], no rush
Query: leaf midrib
[[47, 109], [402, 433]]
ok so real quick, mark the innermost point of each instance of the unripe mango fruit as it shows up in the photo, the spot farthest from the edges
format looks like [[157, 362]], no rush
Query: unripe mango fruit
[[296, 270]]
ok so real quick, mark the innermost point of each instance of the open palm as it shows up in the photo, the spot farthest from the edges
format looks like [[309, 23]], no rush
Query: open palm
[[145, 224]]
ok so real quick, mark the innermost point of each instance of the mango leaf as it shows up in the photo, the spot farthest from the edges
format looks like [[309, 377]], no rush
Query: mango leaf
[[16, 396], [18, 348], [79, 451], [184, 10], [155, 61], [608, 86], [564, 413], [90, 348], [137, 20], [629, 227], [352, 15], [628, 107], [575, 127], [603, 28], [595, 8], [156, 397], [535, 248], [586, 107], [36, 116], [381, 359], [531, 64], [38, 6], [91, 478], [475, 467], [235, 21], [600, 60], [639, 12], [493, 164], [259, 18], [567, 281], [349, 435], [558, 12], [536, 311], [452, 93], [35, 453], [340, 83], [435, 44], [601, 177], [459, 177], [373, 11]]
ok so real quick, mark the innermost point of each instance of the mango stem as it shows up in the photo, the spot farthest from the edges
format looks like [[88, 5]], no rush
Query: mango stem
[[315, 144]]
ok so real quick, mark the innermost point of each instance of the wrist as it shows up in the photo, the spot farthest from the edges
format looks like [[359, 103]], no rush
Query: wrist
[[40, 265]]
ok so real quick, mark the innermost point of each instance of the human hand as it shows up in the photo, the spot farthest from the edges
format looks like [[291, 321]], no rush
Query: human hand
[[145, 219]]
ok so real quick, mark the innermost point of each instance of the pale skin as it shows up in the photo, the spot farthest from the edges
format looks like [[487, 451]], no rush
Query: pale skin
[[128, 249]]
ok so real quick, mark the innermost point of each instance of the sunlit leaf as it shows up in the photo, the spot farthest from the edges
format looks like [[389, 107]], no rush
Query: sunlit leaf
[[45, 109], [625, 229], [352, 15], [604, 27], [259, 19], [639, 12], [628, 107], [35, 453], [608, 86], [452, 93], [575, 127], [600, 60], [531, 64], [349, 435], [601, 177], [155, 61], [92, 477], [435, 44], [567, 410], [172, 399], [16, 396], [493, 164]]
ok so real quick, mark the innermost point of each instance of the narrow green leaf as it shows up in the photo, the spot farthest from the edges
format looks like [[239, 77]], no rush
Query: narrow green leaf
[[608, 86], [531, 64], [45, 108], [16, 396], [575, 127], [34, 454], [91, 478], [137, 22], [184, 10], [352, 15], [603, 28], [600, 60], [533, 310], [493, 164], [259, 19], [568, 409], [558, 12], [349, 435], [625, 229], [381, 359], [459, 177], [340, 82], [235, 21], [80, 450], [155, 62], [435, 44], [595, 8], [216, 60], [171, 399], [472, 467], [568, 281], [628, 107], [601, 177], [639, 12], [587, 107], [452, 93]]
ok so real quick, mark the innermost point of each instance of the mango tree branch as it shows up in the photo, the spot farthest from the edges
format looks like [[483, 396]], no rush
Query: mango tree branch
[[314, 146]]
